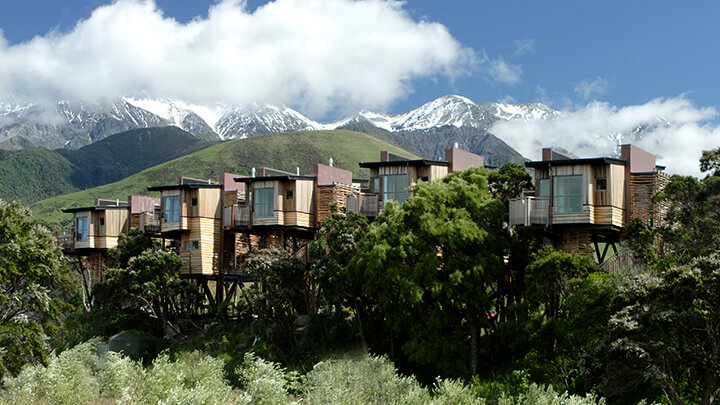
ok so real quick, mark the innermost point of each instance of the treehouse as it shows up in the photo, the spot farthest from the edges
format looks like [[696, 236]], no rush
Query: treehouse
[[284, 204], [96, 229], [584, 205], [394, 175], [190, 214]]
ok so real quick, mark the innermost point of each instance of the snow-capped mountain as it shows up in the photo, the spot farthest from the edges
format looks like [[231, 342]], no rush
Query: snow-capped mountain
[[425, 130], [459, 112], [256, 119]]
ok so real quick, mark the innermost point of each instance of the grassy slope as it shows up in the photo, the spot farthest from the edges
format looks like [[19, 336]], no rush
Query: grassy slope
[[284, 151], [34, 174], [127, 153]]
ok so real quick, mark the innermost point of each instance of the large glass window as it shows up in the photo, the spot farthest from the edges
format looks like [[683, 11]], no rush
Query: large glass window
[[395, 188], [264, 202], [543, 188], [172, 209], [567, 194], [81, 228]]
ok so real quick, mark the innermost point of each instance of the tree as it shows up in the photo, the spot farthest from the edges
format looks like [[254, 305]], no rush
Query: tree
[[665, 334], [150, 283], [433, 265], [34, 287]]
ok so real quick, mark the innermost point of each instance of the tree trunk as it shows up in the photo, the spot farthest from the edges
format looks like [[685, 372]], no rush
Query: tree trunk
[[473, 345]]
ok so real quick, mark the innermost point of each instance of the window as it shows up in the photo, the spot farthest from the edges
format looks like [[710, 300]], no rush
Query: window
[[187, 246], [394, 188], [567, 194], [376, 185], [101, 221], [543, 188], [289, 194], [600, 184], [172, 209], [193, 201], [81, 228], [263, 204], [195, 245]]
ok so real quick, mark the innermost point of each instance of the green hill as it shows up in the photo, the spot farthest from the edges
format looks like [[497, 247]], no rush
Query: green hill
[[284, 151], [35, 174]]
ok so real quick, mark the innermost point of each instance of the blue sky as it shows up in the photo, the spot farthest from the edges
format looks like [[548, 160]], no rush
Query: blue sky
[[609, 66]]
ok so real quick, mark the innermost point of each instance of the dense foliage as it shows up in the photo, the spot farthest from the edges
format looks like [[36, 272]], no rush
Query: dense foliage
[[34, 287], [81, 376]]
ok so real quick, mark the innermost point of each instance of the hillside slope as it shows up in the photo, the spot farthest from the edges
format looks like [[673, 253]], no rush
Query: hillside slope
[[35, 174], [284, 151]]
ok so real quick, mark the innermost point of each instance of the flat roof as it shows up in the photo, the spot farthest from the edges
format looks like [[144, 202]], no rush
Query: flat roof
[[97, 208], [418, 162], [270, 178], [572, 162], [184, 186]]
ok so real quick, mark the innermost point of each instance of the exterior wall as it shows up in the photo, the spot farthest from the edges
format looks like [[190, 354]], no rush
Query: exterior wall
[[327, 195], [576, 241], [205, 259], [460, 159], [327, 175], [116, 222], [238, 247], [642, 188], [299, 211]]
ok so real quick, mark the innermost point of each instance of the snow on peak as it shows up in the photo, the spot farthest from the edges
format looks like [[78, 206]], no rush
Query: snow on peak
[[175, 111]]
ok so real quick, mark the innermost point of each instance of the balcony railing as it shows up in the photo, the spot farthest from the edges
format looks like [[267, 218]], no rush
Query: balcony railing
[[365, 204], [237, 215], [530, 211], [149, 222]]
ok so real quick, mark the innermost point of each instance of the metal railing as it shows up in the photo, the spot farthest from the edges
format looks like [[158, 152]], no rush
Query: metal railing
[[365, 204], [530, 211]]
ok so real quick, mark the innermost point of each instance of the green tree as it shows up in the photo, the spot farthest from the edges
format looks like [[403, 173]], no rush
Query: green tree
[[508, 182], [433, 265], [665, 334], [34, 287], [337, 290], [150, 283]]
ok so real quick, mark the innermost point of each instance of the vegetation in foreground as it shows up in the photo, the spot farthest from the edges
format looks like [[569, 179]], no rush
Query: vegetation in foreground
[[81, 376]]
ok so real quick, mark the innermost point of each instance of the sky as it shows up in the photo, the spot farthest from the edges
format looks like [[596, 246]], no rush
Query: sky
[[608, 66]]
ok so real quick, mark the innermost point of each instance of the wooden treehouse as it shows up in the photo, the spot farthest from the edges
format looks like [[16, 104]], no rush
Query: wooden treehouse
[[583, 205], [394, 175], [96, 229]]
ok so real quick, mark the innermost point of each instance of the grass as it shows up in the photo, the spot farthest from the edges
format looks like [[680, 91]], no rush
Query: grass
[[284, 151]]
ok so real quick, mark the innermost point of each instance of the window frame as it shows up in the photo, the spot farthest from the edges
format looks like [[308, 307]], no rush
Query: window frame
[[81, 236], [263, 209], [604, 179], [570, 201], [171, 201], [390, 185]]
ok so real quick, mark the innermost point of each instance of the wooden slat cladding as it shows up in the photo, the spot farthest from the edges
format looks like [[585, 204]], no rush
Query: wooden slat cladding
[[577, 241], [642, 187], [327, 195], [202, 254]]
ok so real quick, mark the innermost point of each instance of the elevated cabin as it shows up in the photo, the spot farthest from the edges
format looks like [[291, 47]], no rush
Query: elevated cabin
[[190, 213], [145, 213], [394, 175], [290, 204], [95, 230], [582, 204]]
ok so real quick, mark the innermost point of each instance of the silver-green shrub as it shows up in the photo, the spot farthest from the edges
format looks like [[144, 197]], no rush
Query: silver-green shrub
[[265, 382]]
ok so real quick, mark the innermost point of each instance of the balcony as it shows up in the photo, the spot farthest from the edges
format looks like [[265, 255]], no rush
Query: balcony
[[237, 215], [149, 223], [530, 211], [365, 204]]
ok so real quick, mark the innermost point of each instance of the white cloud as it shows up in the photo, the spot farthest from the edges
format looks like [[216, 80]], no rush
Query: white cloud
[[316, 55], [676, 131], [524, 46], [505, 72], [591, 88]]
